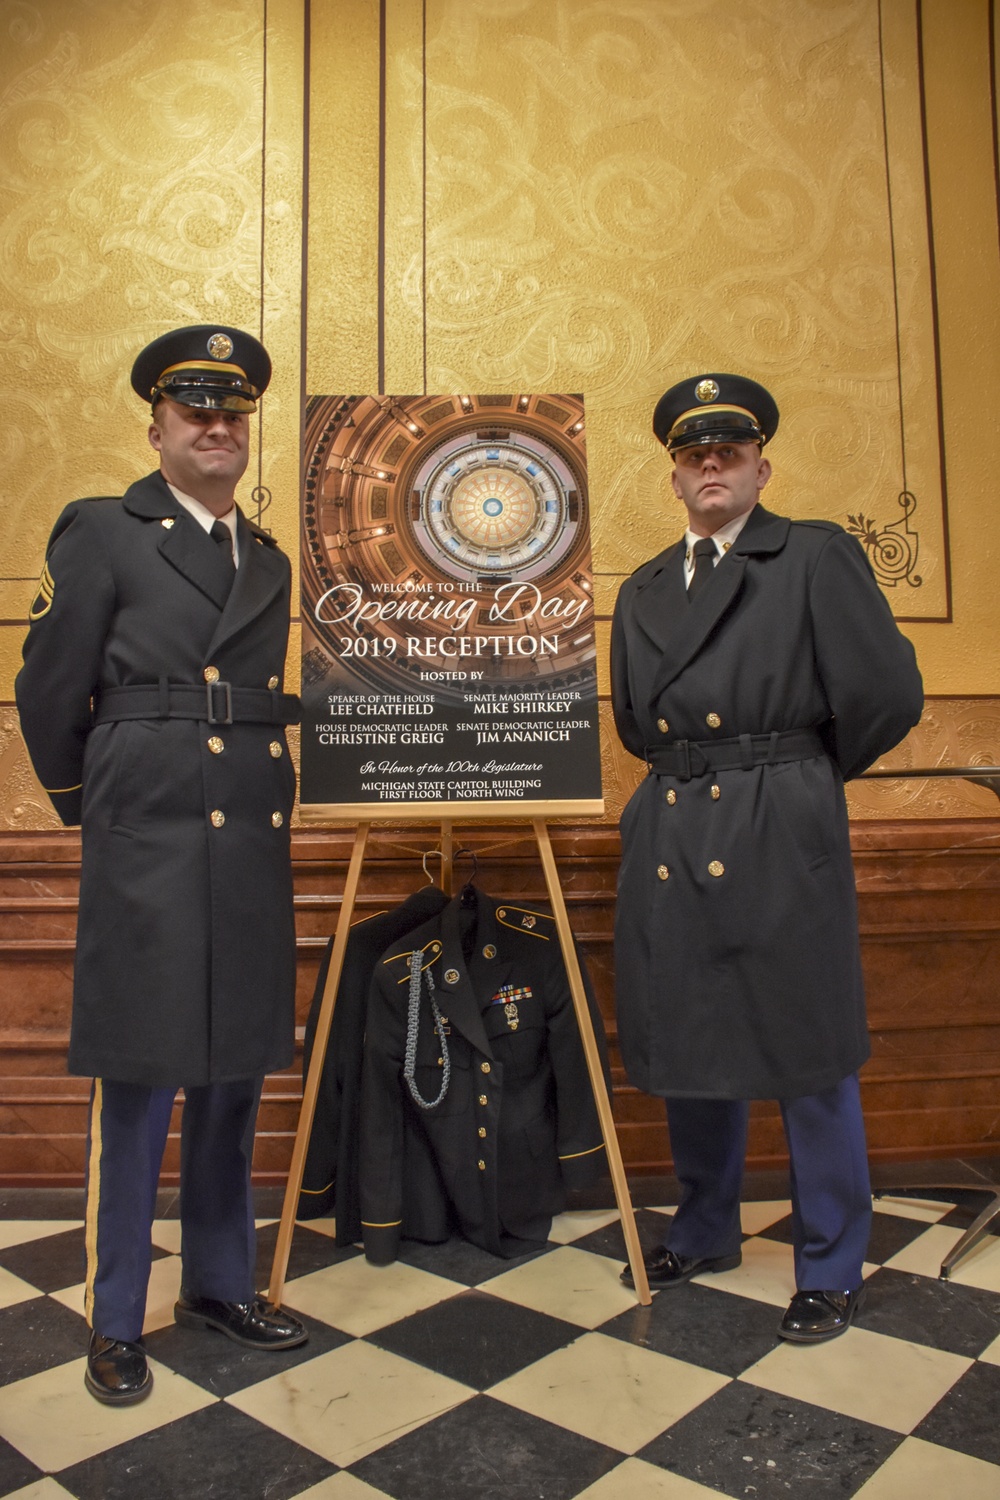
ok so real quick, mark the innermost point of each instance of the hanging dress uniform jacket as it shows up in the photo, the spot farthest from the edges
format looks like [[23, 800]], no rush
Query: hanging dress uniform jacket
[[516, 1125], [330, 1178], [185, 963]]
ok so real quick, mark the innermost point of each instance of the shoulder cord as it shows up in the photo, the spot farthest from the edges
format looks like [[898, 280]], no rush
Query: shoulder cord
[[412, 1026]]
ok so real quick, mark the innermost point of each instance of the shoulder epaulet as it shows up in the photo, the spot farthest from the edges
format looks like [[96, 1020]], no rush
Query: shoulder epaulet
[[524, 919], [261, 535]]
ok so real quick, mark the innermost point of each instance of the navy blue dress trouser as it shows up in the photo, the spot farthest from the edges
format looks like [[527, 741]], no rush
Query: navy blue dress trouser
[[830, 1187], [126, 1139]]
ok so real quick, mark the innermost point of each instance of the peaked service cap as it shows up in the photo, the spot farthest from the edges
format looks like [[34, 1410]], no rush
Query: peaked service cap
[[715, 409], [208, 365]]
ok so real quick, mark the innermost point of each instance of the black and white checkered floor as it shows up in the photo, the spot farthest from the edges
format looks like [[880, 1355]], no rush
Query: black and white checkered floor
[[455, 1376]]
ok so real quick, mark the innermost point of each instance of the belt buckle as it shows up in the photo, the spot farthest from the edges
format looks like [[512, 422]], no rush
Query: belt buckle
[[211, 715], [687, 770]]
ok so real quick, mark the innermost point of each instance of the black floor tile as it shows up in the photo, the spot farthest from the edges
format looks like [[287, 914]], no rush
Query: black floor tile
[[475, 1338], [459, 1261], [718, 1330], [971, 1206], [54, 1262], [218, 1365], [39, 1335], [968, 1417], [218, 1452], [484, 1450], [941, 1314], [15, 1469], [744, 1441], [610, 1240], [890, 1234], [310, 1251]]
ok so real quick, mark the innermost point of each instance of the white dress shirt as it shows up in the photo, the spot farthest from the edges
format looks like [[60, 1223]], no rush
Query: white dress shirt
[[723, 539], [205, 518]]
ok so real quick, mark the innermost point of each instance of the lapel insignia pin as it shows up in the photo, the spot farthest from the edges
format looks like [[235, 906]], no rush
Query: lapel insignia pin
[[528, 921], [167, 522], [451, 976], [489, 951]]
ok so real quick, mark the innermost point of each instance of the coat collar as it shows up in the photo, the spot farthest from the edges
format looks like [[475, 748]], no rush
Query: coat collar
[[259, 577], [679, 629]]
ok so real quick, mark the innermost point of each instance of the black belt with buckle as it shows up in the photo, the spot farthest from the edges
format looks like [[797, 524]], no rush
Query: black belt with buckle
[[687, 758], [212, 702]]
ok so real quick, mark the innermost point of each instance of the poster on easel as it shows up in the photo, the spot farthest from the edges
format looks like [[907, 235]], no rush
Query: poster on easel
[[448, 642]]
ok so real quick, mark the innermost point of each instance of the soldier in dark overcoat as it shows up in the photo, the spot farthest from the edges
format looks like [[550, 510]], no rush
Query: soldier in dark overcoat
[[152, 704], [476, 1106], [756, 667]]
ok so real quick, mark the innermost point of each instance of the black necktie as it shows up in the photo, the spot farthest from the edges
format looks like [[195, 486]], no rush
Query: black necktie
[[223, 538], [704, 564]]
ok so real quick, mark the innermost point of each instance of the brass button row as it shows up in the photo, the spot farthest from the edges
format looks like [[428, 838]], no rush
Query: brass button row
[[216, 744], [671, 796], [715, 868], [712, 720], [212, 674], [218, 818]]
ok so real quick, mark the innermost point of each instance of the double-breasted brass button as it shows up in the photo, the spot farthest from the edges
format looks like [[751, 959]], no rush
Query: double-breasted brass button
[[275, 748], [277, 819], [483, 1100], [663, 726], [272, 683], [716, 792], [717, 867], [481, 1165], [216, 745], [671, 797], [211, 674], [218, 818], [713, 721], [451, 976], [663, 872], [482, 1132], [484, 1067]]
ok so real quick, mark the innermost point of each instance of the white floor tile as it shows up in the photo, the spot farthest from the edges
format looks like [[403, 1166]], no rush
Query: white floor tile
[[53, 1420], [358, 1298], [919, 1469], [568, 1283], [14, 1290], [862, 1374], [23, 1231], [636, 1480], [569, 1227], [349, 1402], [610, 1391]]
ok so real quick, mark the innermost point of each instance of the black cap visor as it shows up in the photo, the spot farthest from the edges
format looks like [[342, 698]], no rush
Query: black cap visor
[[214, 389], [714, 424]]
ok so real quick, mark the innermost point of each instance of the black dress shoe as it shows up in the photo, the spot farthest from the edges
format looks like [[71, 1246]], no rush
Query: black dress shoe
[[814, 1317], [255, 1323], [117, 1373], [665, 1269]]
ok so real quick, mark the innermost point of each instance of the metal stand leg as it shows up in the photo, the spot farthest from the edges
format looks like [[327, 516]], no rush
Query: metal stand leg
[[976, 1231]]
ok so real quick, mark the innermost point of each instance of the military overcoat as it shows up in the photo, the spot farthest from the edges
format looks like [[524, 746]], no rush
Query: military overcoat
[[517, 1125], [185, 962], [736, 944]]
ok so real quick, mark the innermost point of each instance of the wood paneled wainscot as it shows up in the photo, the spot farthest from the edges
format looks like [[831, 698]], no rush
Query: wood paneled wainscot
[[929, 898]]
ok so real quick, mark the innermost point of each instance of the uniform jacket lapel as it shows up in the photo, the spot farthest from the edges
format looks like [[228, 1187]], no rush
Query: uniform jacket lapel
[[182, 543], [260, 576], [689, 625]]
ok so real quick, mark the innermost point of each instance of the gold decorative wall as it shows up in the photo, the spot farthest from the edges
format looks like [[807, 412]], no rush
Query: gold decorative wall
[[414, 195]]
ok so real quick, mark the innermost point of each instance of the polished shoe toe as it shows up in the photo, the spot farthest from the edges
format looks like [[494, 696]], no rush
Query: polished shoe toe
[[813, 1317], [117, 1372], [666, 1269], [256, 1324]]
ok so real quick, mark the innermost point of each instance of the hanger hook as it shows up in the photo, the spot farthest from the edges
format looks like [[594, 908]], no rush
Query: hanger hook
[[475, 861], [431, 854]]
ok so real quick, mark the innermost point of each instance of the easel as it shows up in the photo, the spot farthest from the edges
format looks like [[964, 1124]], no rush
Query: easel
[[293, 1187]]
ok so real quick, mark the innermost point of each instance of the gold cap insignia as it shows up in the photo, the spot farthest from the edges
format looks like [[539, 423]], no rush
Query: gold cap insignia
[[707, 390], [220, 346]]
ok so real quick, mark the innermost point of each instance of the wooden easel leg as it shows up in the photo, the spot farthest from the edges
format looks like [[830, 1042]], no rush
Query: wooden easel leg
[[447, 857], [593, 1062], [293, 1187]]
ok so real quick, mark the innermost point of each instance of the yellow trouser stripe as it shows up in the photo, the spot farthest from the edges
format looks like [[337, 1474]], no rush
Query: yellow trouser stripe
[[93, 1197]]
